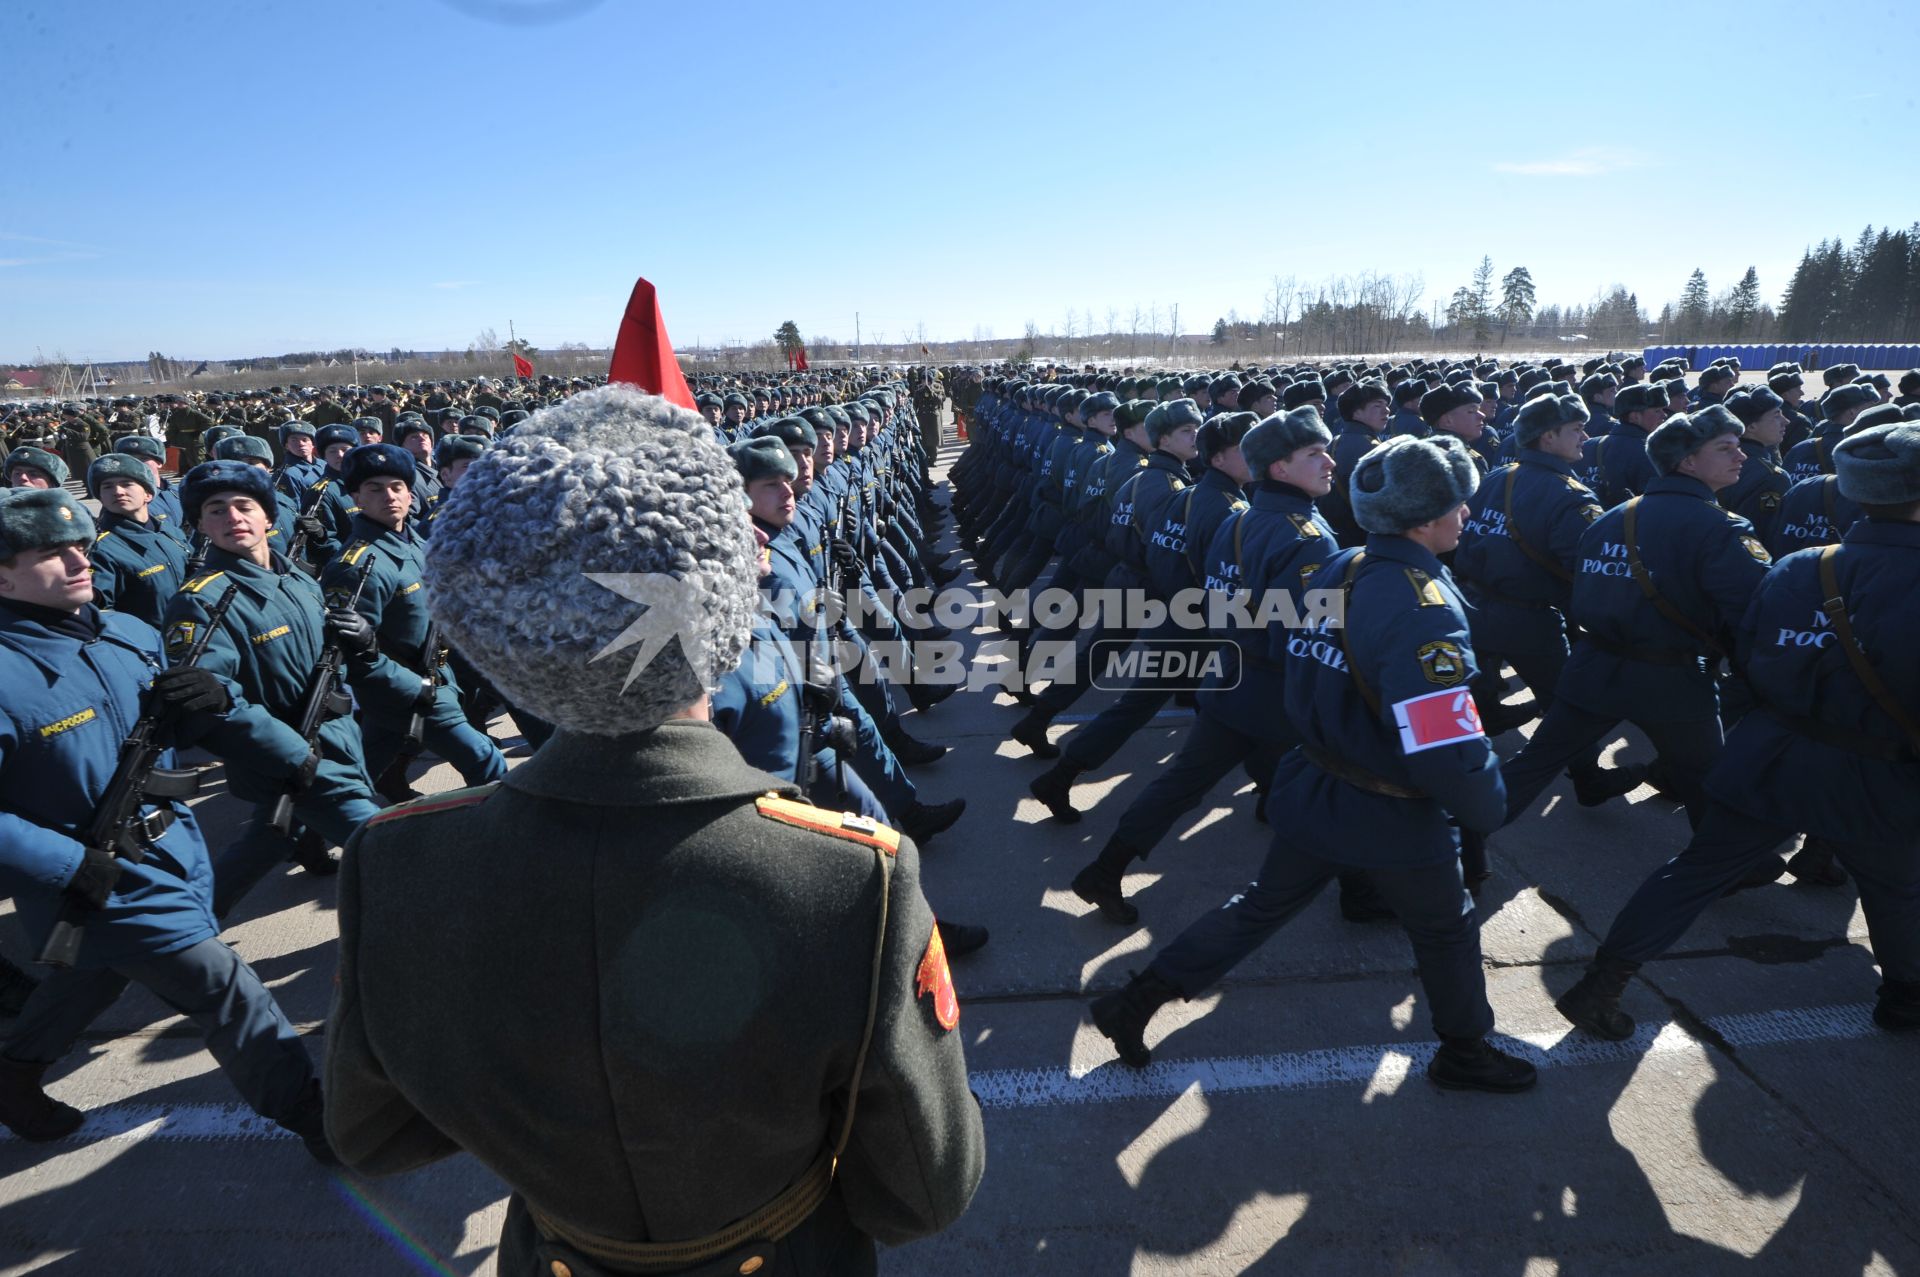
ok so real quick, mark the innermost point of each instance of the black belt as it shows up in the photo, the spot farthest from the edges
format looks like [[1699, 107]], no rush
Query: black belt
[[1358, 777], [1645, 655], [1841, 738]]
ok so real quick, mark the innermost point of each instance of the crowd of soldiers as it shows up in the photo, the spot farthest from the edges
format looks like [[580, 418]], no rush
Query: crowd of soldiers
[[1730, 567], [256, 573]]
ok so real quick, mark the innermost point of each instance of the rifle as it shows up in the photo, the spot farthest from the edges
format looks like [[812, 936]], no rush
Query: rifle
[[324, 701], [430, 655], [117, 825], [197, 546]]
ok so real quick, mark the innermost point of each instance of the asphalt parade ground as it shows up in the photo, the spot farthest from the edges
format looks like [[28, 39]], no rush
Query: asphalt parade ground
[[1758, 1122]]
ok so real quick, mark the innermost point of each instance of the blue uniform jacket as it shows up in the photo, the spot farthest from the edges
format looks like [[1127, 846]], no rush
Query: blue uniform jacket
[[1703, 561], [65, 708], [1518, 599], [1275, 543], [1812, 513], [1617, 466], [266, 650], [1140, 504], [1177, 547], [1796, 666], [1406, 635], [1352, 443], [1755, 496], [1813, 456], [136, 567], [395, 600]]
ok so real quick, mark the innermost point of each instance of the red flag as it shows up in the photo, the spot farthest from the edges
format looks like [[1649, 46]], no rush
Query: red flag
[[800, 359], [642, 355], [521, 368]]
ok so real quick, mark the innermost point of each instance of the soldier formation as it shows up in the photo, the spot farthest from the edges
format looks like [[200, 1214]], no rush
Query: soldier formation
[[335, 582]]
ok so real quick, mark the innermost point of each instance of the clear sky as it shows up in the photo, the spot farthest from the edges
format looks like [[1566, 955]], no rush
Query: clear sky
[[241, 177]]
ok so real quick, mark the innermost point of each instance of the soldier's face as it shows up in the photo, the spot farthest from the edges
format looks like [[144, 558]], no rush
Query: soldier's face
[[124, 497], [335, 451], [233, 522], [1232, 463], [1464, 422], [735, 414], [1770, 429], [1373, 416], [369, 436], [28, 477], [451, 474], [1309, 469], [771, 501], [711, 413], [385, 500], [53, 576], [803, 462], [419, 445], [1718, 464], [1565, 441], [1183, 442]]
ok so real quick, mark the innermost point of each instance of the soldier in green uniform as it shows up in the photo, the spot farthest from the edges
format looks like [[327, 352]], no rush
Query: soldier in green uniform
[[776, 1079]]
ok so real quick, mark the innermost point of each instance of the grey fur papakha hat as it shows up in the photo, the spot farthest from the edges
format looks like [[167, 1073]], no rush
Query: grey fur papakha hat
[[582, 555], [1406, 482], [1880, 465]]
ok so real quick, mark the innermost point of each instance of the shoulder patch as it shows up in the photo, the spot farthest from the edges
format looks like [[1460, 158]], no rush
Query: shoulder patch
[[835, 824], [180, 636], [436, 802], [1770, 500], [1442, 663], [934, 977], [200, 583], [1757, 550], [102, 536], [1305, 526], [355, 552], [1426, 589]]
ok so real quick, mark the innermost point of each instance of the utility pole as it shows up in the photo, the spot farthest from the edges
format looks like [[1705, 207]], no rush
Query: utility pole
[[856, 336]]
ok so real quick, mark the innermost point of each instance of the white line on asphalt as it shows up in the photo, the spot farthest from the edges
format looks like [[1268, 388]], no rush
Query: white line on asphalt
[[1035, 1088], [1304, 1070]]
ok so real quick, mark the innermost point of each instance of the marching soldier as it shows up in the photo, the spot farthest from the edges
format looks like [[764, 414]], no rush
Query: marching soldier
[[138, 562]]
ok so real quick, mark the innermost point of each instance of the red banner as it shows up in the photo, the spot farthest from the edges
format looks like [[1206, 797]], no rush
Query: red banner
[[521, 368]]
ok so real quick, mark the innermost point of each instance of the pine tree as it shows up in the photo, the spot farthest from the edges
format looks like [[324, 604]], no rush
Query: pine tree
[[1694, 299], [1483, 301], [1516, 298], [1743, 308]]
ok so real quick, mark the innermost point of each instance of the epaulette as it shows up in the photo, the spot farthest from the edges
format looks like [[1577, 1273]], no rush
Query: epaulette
[[1304, 525], [200, 583], [319, 485], [102, 536], [864, 830], [352, 554], [1426, 589], [448, 801]]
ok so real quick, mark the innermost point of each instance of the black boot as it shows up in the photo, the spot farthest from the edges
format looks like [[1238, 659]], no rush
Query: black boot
[[924, 696], [1260, 806], [1596, 784], [961, 938], [30, 1112], [16, 986], [1814, 864], [1361, 901], [923, 820], [913, 751], [1031, 731], [1767, 871], [307, 1119], [1122, 1017], [1054, 787], [1472, 1064], [1593, 1004], [311, 853], [1898, 1009], [1099, 883], [1501, 717], [942, 573], [393, 784]]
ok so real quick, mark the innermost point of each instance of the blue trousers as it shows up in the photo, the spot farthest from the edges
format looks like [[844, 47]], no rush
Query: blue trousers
[[448, 734], [1114, 726], [1431, 902], [1568, 734], [1210, 751], [208, 983], [333, 807], [1727, 845]]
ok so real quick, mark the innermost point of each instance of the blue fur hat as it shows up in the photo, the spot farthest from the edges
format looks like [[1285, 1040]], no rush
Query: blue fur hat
[[1548, 412], [606, 509], [1406, 482], [118, 465], [144, 446], [288, 429], [763, 457], [37, 459], [244, 448], [376, 461], [1880, 465], [211, 477], [326, 436], [1282, 435], [1682, 435], [1169, 417], [457, 448], [1223, 431], [38, 518]]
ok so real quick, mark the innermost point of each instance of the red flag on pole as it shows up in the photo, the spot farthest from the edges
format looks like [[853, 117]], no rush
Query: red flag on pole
[[800, 359], [642, 355], [521, 368]]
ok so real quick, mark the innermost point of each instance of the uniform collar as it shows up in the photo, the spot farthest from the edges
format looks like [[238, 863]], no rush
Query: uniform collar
[[680, 761], [1685, 485], [1400, 550], [365, 529], [1270, 494], [245, 573], [1218, 481], [1545, 461], [122, 524], [1883, 532], [48, 648]]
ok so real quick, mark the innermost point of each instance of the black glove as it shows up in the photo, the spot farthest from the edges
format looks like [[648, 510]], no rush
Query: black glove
[[182, 690], [353, 632], [840, 733], [845, 559], [93, 881], [302, 778], [310, 527], [424, 702]]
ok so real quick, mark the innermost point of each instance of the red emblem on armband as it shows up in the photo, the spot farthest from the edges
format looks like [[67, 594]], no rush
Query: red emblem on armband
[[935, 978], [1436, 719]]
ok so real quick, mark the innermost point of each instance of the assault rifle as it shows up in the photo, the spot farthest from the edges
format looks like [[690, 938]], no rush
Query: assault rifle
[[118, 825], [325, 700]]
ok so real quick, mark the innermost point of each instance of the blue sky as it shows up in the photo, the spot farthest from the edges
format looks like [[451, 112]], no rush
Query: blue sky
[[254, 176]]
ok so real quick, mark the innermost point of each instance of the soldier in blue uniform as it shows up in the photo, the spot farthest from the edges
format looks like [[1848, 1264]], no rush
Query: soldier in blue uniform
[[408, 676], [73, 681], [1406, 409], [325, 515], [250, 450], [31, 467], [1756, 495], [1815, 512], [1814, 455], [1455, 410], [1392, 763], [265, 652], [1616, 467], [1835, 749], [137, 562], [1599, 390], [166, 496], [1663, 581], [416, 437], [1518, 557], [1786, 381], [1171, 563], [300, 465], [1363, 411]]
